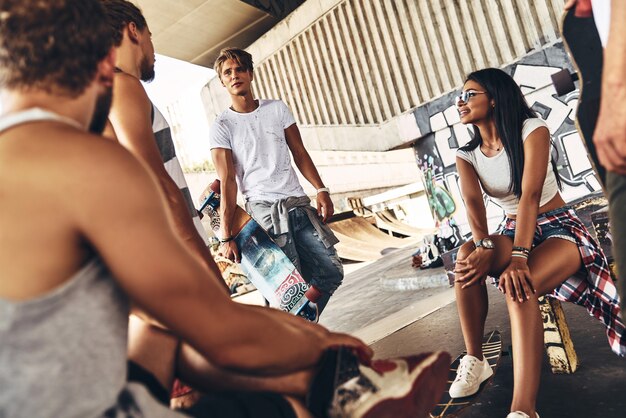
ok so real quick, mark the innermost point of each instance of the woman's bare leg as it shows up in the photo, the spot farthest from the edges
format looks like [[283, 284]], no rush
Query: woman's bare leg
[[153, 349], [472, 302], [550, 263]]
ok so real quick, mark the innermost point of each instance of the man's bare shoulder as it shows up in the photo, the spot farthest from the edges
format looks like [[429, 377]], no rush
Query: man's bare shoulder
[[61, 164], [108, 157], [128, 90], [66, 151]]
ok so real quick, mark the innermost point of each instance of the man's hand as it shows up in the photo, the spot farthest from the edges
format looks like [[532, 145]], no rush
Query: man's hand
[[325, 207], [230, 250], [610, 134], [515, 280], [474, 267]]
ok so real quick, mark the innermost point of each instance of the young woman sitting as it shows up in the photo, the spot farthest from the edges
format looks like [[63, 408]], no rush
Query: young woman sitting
[[540, 248]]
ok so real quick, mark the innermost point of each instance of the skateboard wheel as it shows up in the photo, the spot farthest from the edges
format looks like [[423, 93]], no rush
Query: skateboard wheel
[[313, 294]]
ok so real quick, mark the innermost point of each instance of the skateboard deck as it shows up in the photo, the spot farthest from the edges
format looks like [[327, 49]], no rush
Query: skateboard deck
[[263, 261], [451, 407], [584, 48]]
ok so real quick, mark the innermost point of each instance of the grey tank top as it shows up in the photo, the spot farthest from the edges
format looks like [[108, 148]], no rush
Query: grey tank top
[[63, 354]]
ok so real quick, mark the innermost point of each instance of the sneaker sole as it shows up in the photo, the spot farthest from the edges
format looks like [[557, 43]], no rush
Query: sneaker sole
[[425, 392]]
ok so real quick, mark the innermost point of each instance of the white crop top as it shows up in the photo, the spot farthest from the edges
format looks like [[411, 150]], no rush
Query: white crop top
[[494, 172]]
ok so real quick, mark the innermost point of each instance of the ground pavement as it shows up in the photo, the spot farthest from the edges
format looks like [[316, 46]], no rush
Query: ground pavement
[[400, 322]]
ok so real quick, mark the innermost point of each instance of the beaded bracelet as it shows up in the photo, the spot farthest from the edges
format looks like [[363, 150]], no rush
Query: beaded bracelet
[[519, 254], [521, 249]]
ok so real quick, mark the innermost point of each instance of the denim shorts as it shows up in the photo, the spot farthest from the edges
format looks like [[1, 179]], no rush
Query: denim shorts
[[543, 230]]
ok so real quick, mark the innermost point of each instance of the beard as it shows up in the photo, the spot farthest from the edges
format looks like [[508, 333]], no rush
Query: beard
[[147, 70], [101, 111]]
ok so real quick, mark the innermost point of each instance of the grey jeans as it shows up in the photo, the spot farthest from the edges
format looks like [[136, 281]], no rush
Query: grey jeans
[[319, 266]]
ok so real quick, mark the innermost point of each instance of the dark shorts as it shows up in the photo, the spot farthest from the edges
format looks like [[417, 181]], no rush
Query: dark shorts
[[219, 405], [542, 231], [138, 374]]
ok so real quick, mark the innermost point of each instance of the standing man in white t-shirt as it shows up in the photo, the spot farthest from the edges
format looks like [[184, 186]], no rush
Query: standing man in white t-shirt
[[610, 134], [251, 142]]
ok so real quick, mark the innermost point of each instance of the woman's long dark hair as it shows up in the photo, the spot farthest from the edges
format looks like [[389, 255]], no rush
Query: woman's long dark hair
[[510, 112]]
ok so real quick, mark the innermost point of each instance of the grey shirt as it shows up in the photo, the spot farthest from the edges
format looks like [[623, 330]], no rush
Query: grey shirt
[[63, 354]]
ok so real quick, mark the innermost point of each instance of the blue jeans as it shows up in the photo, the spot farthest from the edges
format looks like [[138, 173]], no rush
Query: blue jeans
[[319, 266], [542, 232]]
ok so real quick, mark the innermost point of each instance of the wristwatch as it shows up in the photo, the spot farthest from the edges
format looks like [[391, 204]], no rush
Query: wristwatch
[[485, 243]]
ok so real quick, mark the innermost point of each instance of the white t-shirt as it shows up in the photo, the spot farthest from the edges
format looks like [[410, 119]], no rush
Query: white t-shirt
[[602, 17], [494, 172], [260, 153]]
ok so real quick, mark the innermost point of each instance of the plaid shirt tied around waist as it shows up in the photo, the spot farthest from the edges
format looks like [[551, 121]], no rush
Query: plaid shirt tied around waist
[[595, 291]]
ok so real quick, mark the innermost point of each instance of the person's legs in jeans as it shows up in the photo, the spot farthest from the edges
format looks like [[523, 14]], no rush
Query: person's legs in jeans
[[287, 244], [616, 190], [320, 266]]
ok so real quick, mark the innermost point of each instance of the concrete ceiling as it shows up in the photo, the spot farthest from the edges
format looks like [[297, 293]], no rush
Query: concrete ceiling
[[195, 30]]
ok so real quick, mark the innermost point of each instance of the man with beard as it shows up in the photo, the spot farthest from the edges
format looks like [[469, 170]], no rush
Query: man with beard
[[140, 127]]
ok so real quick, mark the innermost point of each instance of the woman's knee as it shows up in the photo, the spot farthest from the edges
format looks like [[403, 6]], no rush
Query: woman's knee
[[465, 250]]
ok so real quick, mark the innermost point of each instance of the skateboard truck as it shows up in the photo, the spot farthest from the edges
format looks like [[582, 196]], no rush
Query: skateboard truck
[[563, 81]]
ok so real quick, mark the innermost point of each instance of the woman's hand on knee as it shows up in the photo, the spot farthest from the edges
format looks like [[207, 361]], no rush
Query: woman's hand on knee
[[515, 281], [474, 268]]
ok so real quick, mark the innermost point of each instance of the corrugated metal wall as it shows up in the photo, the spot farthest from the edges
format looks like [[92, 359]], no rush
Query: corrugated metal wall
[[367, 61]]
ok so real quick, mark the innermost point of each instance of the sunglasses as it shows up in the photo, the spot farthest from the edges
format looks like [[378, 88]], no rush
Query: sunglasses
[[466, 95]]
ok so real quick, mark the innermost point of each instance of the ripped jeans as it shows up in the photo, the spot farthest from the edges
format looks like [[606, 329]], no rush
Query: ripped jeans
[[319, 266]]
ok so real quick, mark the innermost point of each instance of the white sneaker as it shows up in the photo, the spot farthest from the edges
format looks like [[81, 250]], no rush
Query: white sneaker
[[520, 414], [470, 374]]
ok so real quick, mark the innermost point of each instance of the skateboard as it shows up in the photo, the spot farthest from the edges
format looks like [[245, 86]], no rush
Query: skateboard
[[449, 407], [265, 264], [584, 48]]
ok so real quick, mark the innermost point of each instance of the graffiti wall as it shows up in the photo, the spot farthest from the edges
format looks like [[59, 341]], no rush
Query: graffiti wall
[[436, 151]]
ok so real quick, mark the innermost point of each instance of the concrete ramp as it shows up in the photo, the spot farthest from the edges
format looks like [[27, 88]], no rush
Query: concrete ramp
[[387, 220], [362, 241], [352, 249], [359, 228]]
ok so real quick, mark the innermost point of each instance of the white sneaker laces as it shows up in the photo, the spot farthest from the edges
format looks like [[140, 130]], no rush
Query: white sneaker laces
[[466, 369]]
